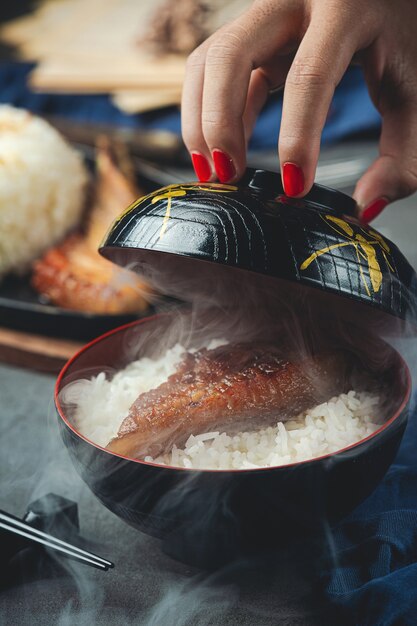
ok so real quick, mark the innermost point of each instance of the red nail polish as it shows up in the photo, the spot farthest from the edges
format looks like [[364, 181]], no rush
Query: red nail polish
[[224, 166], [373, 209], [201, 167], [292, 179]]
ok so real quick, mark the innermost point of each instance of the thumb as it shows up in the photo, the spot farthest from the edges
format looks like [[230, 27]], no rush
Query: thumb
[[394, 174]]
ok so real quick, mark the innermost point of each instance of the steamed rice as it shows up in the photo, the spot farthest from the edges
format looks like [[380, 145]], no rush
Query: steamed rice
[[42, 188], [103, 402]]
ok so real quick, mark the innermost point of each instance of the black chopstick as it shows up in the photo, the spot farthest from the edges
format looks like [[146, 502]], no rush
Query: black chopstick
[[17, 527]]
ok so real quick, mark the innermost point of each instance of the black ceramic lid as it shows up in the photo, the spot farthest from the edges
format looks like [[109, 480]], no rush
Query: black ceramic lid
[[315, 241]]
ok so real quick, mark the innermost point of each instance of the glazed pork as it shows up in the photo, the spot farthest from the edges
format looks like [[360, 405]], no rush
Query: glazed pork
[[225, 389], [73, 275]]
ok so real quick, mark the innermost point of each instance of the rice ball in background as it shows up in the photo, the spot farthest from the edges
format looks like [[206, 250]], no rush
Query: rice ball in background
[[42, 188]]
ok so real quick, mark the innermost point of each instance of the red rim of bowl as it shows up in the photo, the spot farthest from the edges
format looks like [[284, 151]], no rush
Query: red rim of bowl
[[62, 415]]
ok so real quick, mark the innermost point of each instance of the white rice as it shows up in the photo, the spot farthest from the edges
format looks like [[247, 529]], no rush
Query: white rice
[[42, 187], [102, 403]]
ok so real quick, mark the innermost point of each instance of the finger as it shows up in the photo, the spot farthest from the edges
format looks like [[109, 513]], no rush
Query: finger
[[321, 60], [191, 106], [262, 82], [226, 80], [230, 60], [394, 174], [258, 91]]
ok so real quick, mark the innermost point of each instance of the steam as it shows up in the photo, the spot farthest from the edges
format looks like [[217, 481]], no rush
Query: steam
[[222, 306], [200, 604], [242, 308], [147, 587]]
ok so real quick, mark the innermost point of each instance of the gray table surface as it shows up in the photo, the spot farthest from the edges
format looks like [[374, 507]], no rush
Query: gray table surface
[[146, 587]]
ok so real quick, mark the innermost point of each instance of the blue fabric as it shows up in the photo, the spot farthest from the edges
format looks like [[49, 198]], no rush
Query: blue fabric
[[372, 572], [351, 111]]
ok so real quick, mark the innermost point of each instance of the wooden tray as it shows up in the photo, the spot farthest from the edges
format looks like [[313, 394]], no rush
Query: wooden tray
[[45, 354]]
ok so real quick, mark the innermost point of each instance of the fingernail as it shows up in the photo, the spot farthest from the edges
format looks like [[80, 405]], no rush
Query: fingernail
[[292, 179], [201, 167], [373, 209], [223, 165]]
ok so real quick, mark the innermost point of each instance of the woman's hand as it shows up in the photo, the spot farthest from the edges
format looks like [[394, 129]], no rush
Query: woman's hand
[[308, 45]]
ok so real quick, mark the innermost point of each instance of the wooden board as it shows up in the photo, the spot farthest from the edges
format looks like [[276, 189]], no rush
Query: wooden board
[[97, 74], [96, 46], [93, 47], [80, 26], [145, 100], [46, 354]]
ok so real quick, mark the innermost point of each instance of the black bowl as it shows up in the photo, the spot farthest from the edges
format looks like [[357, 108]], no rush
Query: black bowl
[[207, 516]]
